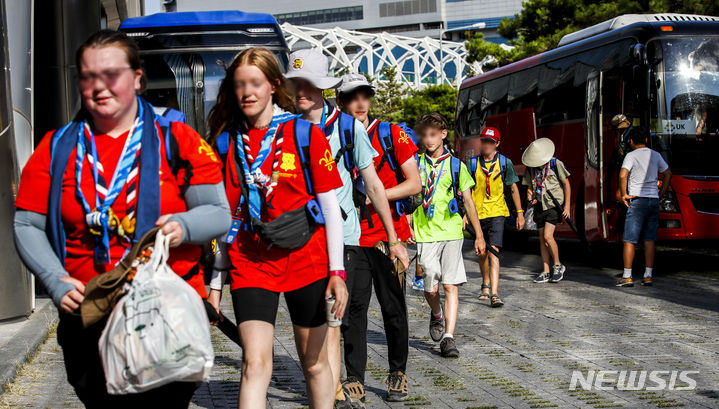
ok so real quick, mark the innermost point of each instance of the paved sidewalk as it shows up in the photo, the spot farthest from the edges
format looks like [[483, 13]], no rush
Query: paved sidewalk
[[519, 356]]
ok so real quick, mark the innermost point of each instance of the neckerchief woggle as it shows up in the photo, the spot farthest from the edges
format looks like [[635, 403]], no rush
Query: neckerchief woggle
[[253, 173], [100, 218], [433, 181]]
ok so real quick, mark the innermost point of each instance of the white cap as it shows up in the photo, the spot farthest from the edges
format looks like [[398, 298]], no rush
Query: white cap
[[350, 82], [312, 66]]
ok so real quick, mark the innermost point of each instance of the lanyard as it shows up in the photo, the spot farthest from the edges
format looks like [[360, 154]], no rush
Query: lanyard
[[539, 179], [101, 219]]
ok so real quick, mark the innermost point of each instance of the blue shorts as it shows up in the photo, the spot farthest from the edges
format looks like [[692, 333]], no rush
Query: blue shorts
[[642, 220]]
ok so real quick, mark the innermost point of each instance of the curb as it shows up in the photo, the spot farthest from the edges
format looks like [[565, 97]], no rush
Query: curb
[[25, 342]]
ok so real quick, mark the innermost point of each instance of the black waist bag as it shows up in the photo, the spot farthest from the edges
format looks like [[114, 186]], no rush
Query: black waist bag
[[291, 230]]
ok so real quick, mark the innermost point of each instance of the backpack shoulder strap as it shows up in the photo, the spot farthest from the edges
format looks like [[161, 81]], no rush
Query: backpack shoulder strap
[[473, 167], [503, 166], [303, 130], [553, 165], [347, 138], [172, 151], [456, 168]]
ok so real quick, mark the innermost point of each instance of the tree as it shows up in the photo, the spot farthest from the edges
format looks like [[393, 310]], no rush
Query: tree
[[434, 98], [542, 23], [387, 103]]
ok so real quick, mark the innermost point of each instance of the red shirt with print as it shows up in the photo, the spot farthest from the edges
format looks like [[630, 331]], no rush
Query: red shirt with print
[[276, 269], [79, 243], [404, 149]]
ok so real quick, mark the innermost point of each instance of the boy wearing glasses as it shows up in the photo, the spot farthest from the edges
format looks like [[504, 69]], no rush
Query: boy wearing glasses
[[493, 173]]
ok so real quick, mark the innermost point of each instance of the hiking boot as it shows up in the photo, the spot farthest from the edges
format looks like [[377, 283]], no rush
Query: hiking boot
[[418, 283], [557, 273], [647, 281], [448, 348], [542, 277], [625, 282], [343, 401], [436, 327], [355, 391], [397, 387]]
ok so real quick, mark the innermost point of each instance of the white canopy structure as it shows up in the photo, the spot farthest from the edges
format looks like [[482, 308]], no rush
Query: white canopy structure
[[417, 59]]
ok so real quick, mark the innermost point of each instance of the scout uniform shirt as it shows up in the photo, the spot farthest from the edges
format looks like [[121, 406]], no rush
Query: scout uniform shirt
[[544, 178], [494, 203], [442, 226]]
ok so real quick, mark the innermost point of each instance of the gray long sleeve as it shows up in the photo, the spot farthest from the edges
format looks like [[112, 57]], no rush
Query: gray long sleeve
[[208, 214], [36, 252]]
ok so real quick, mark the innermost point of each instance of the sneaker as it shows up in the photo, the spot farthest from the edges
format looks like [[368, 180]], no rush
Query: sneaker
[[418, 283], [355, 391], [557, 273], [625, 282], [342, 401], [448, 348], [397, 387], [542, 277], [647, 281], [436, 327]]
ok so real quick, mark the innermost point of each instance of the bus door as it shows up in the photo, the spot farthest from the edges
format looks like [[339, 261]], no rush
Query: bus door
[[589, 204]]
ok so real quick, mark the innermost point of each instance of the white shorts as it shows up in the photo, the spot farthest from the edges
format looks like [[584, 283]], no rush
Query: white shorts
[[441, 262]]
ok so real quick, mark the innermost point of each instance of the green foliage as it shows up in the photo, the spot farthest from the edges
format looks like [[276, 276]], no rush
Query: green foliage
[[387, 102], [542, 23]]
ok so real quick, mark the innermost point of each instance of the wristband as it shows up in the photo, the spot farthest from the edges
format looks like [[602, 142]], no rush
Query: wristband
[[520, 211], [339, 273], [395, 243]]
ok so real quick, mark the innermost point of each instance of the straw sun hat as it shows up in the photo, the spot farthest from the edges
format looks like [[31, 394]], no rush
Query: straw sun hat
[[538, 153]]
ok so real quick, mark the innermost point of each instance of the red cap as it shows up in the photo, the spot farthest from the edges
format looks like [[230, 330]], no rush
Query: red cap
[[490, 133]]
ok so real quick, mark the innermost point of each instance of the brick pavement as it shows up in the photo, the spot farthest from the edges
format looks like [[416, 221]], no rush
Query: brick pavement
[[519, 356]]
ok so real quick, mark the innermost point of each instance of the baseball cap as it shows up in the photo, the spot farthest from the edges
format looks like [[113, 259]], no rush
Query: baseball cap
[[351, 82], [490, 133], [312, 66]]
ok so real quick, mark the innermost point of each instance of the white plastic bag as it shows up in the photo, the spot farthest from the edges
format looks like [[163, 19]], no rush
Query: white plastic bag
[[158, 332]]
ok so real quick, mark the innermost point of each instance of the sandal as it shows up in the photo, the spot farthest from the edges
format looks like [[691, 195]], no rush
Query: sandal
[[483, 295], [496, 301]]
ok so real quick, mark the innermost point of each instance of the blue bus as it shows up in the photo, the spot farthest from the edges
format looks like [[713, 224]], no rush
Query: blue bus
[[185, 54]]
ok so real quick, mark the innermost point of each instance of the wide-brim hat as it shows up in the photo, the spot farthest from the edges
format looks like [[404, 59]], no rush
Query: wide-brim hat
[[538, 153], [312, 66]]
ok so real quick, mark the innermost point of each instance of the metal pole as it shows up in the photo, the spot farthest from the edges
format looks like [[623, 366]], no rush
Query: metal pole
[[441, 56]]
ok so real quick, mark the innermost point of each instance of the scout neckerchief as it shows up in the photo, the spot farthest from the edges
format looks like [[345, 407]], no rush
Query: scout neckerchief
[[251, 167], [488, 172], [329, 116], [432, 180], [540, 177], [101, 219]]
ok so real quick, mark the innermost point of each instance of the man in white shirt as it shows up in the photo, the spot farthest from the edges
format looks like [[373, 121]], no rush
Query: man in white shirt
[[640, 193]]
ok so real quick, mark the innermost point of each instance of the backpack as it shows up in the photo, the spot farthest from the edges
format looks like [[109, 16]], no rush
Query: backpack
[[347, 138], [384, 133], [457, 203]]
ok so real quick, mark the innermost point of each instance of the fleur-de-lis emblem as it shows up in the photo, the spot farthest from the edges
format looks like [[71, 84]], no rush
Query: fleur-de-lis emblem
[[207, 150], [403, 138], [297, 63], [328, 160]]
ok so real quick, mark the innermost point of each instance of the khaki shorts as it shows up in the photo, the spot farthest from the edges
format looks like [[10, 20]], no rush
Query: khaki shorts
[[441, 262]]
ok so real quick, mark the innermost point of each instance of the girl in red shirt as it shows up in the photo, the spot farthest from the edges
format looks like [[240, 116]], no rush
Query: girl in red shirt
[[111, 163], [272, 176]]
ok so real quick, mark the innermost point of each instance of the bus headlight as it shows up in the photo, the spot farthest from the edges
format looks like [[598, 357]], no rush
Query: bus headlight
[[668, 203]]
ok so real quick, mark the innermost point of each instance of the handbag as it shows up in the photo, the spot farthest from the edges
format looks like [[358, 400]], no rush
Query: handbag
[[103, 292]]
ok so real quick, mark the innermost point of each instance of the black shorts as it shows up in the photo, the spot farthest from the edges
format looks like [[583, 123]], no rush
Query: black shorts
[[306, 304], [542, 217], [493, 230]]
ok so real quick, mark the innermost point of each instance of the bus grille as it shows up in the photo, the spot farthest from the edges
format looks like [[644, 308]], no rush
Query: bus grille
[[705, 202]]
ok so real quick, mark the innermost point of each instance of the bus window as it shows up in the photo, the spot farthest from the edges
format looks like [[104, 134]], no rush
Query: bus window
[[687, 110]]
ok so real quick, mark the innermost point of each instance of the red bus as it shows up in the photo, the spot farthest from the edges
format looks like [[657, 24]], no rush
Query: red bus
[[661, 71]]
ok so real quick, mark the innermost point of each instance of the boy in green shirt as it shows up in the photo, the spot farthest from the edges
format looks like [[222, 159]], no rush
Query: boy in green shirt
[[438, 228]]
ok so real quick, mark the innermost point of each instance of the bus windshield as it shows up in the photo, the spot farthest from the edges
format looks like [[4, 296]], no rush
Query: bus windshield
[[189, 81], [689, 109]]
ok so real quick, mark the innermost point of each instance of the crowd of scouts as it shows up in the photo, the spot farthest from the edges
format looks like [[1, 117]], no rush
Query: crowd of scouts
[[303, 198]]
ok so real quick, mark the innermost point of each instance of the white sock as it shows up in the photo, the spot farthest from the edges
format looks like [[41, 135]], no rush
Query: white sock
[[446, 336], [627, 273], [648, 272]]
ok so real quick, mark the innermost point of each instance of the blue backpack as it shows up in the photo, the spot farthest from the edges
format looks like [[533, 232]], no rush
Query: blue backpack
[[384, 133]]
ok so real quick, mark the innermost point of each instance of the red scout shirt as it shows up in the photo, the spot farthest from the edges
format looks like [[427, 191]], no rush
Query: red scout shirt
[[79, 243], [404, 149], [276, 269]]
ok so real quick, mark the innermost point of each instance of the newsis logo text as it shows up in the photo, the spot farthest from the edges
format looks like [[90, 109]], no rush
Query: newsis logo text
[[633, 380]]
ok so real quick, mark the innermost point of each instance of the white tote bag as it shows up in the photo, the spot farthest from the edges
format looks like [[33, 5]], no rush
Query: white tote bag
[[158, 332]]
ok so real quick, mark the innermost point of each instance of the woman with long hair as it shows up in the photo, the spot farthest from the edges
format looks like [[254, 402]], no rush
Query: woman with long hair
[[286, 236], [96, 185]]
